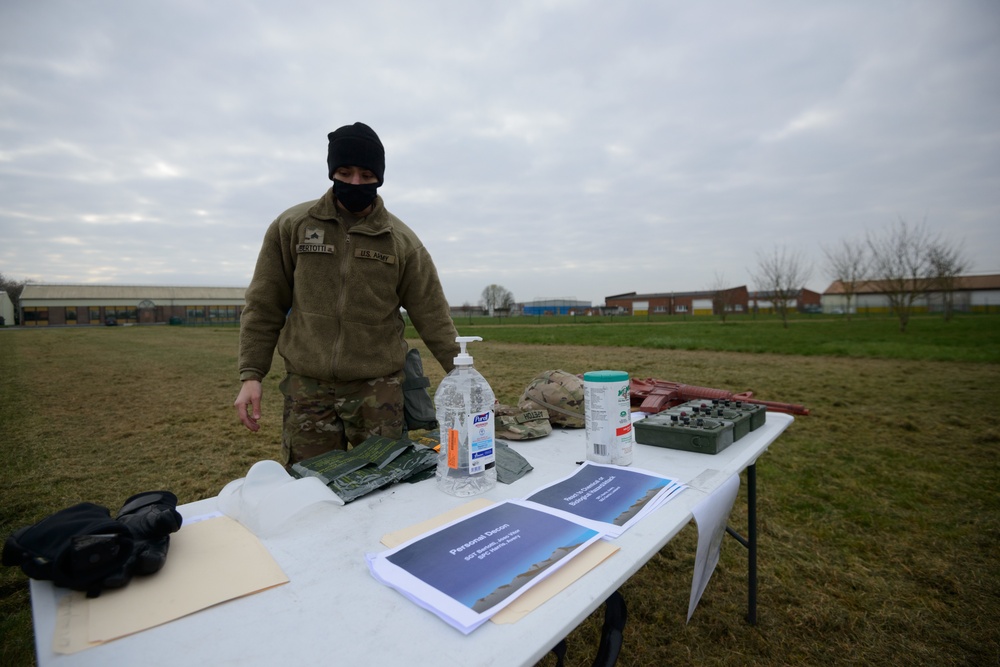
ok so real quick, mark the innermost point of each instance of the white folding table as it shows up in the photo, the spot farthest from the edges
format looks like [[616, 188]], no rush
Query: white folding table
[[333, 611]]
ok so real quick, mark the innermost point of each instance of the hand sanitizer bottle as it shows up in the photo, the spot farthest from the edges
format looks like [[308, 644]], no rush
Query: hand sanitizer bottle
[[464, 406]]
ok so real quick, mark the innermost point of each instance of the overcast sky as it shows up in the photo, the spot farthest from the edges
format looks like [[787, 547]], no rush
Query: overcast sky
[[558, 148]]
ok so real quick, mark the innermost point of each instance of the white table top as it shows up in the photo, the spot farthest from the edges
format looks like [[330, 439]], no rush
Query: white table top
[[333, 610]]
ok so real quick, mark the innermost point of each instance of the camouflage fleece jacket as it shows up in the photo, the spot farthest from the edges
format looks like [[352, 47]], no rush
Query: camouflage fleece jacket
[[327, 290]]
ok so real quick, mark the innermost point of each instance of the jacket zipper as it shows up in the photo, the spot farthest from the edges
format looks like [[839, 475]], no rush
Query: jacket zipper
[[344, 259]]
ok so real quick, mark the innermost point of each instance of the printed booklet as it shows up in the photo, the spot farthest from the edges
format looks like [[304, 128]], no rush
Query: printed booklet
[[471, 568], [606, 497]]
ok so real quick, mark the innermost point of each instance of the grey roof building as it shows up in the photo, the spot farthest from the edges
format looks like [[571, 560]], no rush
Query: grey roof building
[[48, 305]]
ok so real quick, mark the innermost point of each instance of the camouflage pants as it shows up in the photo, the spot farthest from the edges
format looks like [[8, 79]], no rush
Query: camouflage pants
[[322, 416]]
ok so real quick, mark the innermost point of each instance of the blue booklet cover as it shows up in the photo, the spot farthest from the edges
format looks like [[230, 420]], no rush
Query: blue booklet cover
[[607, 497], [468, 570], [471, 568]]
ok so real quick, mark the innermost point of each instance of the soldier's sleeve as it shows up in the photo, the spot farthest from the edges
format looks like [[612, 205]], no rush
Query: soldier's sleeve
[[423, 298], [268, 299]]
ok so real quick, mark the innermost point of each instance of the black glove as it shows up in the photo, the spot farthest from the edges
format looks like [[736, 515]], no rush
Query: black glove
[[150, 517], [77, 547], [83, 548]]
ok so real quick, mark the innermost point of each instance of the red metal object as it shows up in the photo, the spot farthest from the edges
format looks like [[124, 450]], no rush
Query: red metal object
[[652, 396]]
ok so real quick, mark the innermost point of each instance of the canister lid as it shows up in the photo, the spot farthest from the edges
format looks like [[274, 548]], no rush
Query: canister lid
[[605, 376]]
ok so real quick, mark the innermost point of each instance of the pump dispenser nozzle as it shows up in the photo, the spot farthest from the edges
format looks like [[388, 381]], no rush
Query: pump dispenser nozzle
[[464, 358]]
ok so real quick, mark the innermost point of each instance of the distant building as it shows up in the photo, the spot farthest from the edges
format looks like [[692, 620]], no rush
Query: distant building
[[967, 294], [88, 305], [804, 301], [6, 310], [733, 300], [554, 307], [466, 310]]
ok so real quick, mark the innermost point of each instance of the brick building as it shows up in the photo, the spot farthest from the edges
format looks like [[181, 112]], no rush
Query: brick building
[[804, 301], [734, 300]]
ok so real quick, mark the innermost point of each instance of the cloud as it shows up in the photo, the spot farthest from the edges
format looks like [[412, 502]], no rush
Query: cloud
[[570, 148], [811, 120]]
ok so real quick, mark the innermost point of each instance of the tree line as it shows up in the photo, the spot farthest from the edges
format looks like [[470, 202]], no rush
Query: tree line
[[907, 261]]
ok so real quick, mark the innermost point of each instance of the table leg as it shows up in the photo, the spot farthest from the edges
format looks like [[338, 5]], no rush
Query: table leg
[[750, 542], [615, 615], [752, 546]]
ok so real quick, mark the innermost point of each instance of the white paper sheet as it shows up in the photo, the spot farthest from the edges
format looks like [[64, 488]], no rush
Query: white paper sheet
[[209, 562], [711, 516]]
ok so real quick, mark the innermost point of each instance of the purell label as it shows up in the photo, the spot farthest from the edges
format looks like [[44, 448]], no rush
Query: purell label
[[481, 452]]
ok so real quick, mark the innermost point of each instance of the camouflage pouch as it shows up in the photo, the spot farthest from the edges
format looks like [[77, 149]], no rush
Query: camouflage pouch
[[418, 408], [558, 392], [516, 424]]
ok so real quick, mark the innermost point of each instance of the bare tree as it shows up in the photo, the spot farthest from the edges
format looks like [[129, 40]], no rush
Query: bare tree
[[947, 263], [722, 296], [496, 297], [781, 274], [468, 309], [848, 263], [900, 259], [13, 288]]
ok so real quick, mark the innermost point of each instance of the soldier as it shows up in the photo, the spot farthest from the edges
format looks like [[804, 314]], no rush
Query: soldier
[[327, 289]]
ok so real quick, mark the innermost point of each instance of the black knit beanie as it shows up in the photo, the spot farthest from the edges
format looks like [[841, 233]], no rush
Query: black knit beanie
[[356, 145]]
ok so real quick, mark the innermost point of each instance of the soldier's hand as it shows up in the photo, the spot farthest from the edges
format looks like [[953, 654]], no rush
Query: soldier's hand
[[248, 404]]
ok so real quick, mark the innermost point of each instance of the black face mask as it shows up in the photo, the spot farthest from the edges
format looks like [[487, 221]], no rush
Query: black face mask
[[355, 198]]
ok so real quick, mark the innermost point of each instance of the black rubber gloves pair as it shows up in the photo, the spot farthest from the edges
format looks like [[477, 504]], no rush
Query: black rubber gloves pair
[[83, 548]]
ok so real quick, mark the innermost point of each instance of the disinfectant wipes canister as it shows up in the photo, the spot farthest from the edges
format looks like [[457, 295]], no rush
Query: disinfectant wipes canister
[[608, 417]]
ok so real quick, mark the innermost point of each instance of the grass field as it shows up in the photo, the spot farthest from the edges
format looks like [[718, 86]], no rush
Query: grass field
[[972, 338], [879, 515]]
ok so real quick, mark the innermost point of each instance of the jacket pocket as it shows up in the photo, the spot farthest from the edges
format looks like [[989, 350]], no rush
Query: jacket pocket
[[307, 344]]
